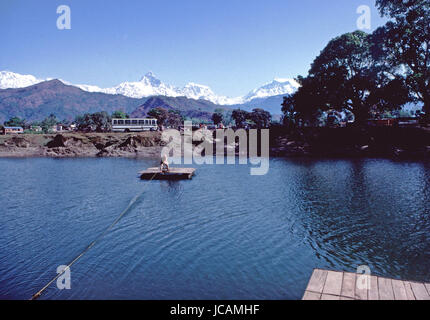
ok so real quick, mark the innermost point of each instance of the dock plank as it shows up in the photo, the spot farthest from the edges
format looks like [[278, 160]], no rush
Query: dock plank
[[362, 286], [333, 284], [318, 279], [399, 290], [311, 296], [420, 291], [385, 289], [408, 289], [427, 285], [348, 285], [373, 293], [329, 297]]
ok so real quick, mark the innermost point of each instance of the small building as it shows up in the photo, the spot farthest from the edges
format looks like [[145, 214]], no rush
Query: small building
[[36, 128], [12, 130], [57, 128]]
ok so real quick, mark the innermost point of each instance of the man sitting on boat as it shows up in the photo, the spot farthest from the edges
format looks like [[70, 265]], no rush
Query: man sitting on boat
[[164, 164]]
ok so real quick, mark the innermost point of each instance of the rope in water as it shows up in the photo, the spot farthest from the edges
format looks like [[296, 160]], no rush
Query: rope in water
[[133, 201]]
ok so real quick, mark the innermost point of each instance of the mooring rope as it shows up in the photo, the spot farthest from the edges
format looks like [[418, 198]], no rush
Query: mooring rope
[[131, 203]]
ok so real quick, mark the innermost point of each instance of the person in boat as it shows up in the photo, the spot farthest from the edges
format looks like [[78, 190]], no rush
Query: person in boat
[[164, 164]]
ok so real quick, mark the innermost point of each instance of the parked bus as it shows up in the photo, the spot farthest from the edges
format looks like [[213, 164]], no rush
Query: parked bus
[[134, 125]]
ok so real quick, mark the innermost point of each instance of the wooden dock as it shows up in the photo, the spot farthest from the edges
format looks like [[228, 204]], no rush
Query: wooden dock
[[332, 285], [173, 174]]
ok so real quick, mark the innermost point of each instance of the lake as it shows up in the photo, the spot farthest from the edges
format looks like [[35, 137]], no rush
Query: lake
[[223, 235]]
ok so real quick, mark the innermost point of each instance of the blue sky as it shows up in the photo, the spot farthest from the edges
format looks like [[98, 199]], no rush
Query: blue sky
[[232, 46]]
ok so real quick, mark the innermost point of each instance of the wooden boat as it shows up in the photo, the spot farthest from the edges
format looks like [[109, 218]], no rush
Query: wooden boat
[[172, 174]]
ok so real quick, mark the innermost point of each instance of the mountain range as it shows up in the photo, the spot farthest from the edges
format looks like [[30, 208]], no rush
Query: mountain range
[[150, 85], [32, 98]]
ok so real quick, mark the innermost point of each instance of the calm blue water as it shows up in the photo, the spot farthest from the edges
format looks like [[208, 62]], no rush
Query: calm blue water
[[223, 235]]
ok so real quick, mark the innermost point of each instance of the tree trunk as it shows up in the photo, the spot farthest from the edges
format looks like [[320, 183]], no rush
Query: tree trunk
[[361, 114], [426, 108]]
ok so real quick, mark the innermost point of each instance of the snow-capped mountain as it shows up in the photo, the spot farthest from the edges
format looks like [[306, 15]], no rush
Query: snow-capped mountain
[[150, 85], [274, 88], [201, 92], [14, 80]]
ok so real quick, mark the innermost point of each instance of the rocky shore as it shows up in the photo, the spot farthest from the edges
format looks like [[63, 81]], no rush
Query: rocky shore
[[147, 144], [388, 142], [385, 142]]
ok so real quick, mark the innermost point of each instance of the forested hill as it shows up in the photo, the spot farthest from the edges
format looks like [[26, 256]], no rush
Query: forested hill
[[66, 102]]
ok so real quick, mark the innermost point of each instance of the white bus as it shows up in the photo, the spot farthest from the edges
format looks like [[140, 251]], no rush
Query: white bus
[[134, 125]]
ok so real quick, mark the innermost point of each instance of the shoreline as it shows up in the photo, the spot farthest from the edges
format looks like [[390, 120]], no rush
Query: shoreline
[[378, 142]]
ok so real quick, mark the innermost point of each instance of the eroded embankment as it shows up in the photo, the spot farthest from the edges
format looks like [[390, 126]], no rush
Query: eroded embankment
[[307, 142], [147, 144]]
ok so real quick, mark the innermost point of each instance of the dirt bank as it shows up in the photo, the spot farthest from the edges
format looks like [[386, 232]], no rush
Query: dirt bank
[[388, 142], [146, 144]]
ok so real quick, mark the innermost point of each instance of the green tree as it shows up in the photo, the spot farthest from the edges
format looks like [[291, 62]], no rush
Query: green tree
[[102, 121], [261, 118], [161, 114], [343, 75], [228, 119], [65, 122], [391, 95], [15, 122], [288, 109], [217, 117], [119, 114], [403, 45], [85, 122], [240, 116], [48, 123], [306, 104], [174, 119]]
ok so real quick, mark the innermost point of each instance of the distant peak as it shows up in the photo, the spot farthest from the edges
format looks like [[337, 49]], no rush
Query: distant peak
[[55, 82], [150, 74]]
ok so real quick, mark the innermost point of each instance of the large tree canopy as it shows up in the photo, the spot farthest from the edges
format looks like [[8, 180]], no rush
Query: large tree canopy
[[341, 77], [217, 118], [15, 122], [161, 114], [102, 121], [347, 75], [48, 123], [344, 73], [403, 45], [119, 114], [240, 116], [261, 118], [99, 121]]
